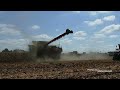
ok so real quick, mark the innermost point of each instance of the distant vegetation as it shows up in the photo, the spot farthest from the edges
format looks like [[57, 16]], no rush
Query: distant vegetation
[[16, 50], [16, 55]]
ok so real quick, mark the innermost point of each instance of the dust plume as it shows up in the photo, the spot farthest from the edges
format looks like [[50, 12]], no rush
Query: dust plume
[[89, 56], [68, 57]]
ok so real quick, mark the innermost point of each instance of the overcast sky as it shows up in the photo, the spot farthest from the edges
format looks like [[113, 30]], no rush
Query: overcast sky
[[93, 30]]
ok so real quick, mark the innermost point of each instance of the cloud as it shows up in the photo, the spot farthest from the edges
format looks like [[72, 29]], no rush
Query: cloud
[[13, 41], [9, 29], [113, 36], [100, 21], [14, 44], [110, 29], [79, 38], [66, 41], [79, 35], [99, 41], [106, 31], [42, 37], [23, 43], [76, 11], [94, 23], [109, 18], [99, 35], [6, 25], [35, 27], [99, 12]]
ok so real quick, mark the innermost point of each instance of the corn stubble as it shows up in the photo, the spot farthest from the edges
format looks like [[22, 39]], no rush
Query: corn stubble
[[23, 66], [59, 70], [14, 57]]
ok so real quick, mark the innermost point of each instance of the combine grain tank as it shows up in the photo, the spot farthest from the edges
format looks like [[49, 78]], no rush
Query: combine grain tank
[[42, 49]]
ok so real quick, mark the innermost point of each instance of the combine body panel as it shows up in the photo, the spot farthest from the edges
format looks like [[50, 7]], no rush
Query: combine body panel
[[42, 49]]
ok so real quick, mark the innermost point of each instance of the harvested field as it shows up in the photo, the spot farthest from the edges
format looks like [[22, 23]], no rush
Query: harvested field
[[60, 70], [13, 56]]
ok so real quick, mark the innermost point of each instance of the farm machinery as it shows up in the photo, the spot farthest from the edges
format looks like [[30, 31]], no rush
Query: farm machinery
[[42, 49], [116, 55]]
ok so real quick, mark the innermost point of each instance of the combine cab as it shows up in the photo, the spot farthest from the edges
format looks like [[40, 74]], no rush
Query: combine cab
[[42, 49]]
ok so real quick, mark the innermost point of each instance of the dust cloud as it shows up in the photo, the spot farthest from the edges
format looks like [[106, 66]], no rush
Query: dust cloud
[[68, 57], [89, 56]]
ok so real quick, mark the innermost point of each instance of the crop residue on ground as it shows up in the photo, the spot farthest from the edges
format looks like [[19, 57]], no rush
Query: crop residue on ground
[[60, 70]]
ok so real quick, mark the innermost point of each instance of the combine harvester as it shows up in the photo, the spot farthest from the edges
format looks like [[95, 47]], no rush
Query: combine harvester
[[42, 49], [115, 54]]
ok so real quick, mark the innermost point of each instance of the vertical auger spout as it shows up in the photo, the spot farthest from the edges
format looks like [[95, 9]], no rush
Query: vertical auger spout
[[60, 36]]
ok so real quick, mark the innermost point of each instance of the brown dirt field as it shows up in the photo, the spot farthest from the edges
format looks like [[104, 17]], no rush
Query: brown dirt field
[[60, 70]]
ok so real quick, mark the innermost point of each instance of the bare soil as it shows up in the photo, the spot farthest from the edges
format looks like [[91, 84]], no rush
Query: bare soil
[[60, 70]]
